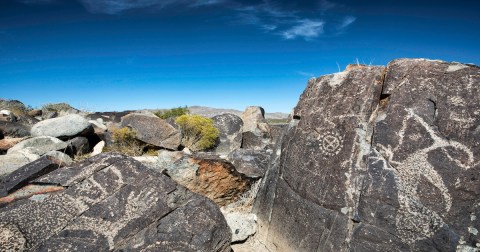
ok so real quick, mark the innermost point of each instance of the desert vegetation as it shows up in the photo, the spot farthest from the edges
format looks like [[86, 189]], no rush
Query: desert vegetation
[[174, 112], [124, 142], [198, 132]]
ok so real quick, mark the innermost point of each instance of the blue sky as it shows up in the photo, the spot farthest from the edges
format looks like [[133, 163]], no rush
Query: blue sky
[[104, 55]]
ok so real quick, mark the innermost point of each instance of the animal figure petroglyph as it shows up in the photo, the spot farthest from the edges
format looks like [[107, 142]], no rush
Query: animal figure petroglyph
[[413, 217]]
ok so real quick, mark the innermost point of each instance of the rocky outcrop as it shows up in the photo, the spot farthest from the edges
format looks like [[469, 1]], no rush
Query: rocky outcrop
[[153, 130], [8, 143], [230, 129], [378, 159], [65, 127], [256, 131], [7, 115], [111, 202], [207, 175], [39, 145]]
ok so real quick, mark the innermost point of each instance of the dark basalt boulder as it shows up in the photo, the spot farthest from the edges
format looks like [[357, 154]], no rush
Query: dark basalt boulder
[[111, 202], [378, 159], [78, 146]]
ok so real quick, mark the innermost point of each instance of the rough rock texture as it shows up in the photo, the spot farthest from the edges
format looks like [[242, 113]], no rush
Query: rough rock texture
[[207, 175], [252, 163], [63, 159], [153, 130], [13, 161], [26, 173], [64, 127], [230, 137], [112, 202], [379, 160], [14, 129], [39, 145]]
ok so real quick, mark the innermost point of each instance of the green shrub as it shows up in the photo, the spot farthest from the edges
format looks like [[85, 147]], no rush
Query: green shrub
[[198, 132], [174, 112], [125, 142]]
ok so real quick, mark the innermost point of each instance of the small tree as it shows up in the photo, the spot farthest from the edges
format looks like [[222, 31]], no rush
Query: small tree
[[198, 132], [174, 112]]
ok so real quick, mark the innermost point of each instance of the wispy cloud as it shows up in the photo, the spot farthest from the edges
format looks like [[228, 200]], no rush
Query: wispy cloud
[[307, 19], [306, 29]]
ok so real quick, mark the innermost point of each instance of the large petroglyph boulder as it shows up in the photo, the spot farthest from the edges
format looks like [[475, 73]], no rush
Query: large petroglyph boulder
[[109, 202], [379, 159]]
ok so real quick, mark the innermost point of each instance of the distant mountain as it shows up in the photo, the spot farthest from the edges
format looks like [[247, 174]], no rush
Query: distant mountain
[[211, 112]]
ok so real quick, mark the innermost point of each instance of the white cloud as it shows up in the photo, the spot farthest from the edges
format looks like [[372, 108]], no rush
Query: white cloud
[[346, 22], [306, 29], [118, 6]]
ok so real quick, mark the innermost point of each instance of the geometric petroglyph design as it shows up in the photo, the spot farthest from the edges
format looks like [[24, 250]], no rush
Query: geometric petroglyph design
[[331, 143]]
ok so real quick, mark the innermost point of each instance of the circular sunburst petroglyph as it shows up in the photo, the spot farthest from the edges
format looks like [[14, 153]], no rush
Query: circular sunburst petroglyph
[[331, 143]]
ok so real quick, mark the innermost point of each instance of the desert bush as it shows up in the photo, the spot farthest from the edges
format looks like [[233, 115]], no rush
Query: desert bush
[[198, 132], [174, 112], [124, 142]]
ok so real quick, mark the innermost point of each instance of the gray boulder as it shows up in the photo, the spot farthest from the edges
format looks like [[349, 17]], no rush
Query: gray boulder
[[13, 161], [378, 159], [153, 130], [39, 145], [256, 131], [64, 127], [62, 158], [112, 202], [252, 163], [230, 129]]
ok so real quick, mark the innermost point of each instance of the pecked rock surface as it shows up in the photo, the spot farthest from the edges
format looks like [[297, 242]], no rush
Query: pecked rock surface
[[112, 202], [379, 159]]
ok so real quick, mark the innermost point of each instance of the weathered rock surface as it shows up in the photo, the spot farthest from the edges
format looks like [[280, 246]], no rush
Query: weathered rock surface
[[207, 175], [153, 130], [39, 145], [112, 202], [230, 129], [382, 159], [64, 127], [14, 129], [13, 161], [254, 120], [26, 173], [62, 158], [252, 163]]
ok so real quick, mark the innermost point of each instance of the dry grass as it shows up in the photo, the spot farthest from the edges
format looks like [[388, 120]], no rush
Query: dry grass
[[245, 203]]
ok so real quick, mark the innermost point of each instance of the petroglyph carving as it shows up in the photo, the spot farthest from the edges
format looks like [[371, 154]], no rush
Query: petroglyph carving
[[331, 143], [413, 217]]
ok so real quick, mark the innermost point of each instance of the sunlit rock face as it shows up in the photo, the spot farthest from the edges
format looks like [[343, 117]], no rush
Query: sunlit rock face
[[105, 203], [378, 159]]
